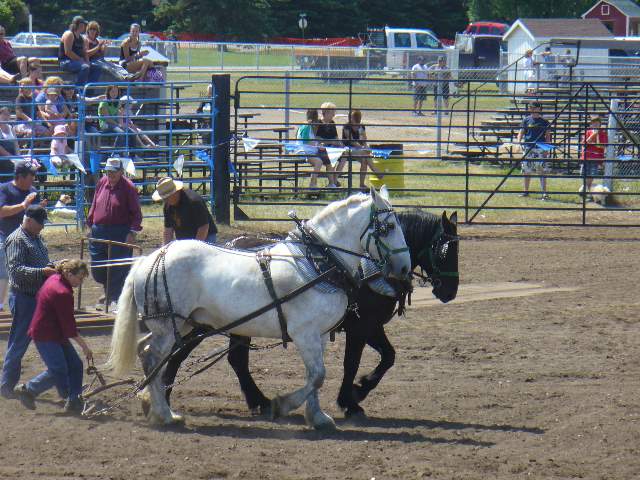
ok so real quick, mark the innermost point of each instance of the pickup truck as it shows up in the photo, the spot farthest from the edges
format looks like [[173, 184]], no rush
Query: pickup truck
[[382, 49]]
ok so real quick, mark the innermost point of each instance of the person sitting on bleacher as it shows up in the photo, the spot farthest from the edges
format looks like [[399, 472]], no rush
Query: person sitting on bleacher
[[11, 64], [35, 77], [55, 112], [59, 148], [72, 54], [26, 113], [8, 142], [41, 97], [96, 49], [108, 116], [126, 123], [131, 55]]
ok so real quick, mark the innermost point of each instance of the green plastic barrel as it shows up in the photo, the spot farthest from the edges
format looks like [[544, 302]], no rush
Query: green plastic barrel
[[393, 165]]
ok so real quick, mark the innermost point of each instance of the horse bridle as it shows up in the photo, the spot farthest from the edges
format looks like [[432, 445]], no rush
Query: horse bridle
[[439, 241], [377, 229]]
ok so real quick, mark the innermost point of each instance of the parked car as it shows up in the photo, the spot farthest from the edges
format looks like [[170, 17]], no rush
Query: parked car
[[487, 28], [35, 39]]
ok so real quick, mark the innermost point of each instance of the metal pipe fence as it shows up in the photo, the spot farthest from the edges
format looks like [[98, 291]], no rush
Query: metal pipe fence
[[157, 129], [450, 145]]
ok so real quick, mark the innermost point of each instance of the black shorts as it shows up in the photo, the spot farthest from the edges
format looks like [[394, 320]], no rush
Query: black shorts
[[421, 92], [11, 66], [322, 155], [443, 91]]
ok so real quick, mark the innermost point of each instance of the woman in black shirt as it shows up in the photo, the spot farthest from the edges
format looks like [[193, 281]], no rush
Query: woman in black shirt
[[354, 136]]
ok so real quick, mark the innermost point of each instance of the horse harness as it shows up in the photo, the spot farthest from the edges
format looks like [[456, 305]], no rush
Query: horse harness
[[435, 250], [324, 258]]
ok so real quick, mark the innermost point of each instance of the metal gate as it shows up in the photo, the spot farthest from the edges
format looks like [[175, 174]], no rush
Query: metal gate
[[441, 143]]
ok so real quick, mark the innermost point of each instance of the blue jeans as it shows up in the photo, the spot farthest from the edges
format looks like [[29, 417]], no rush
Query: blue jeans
[[85, 73], [22, 307], [116, 133], [64, 370], [3, 261], [99, 254], [211, 238]]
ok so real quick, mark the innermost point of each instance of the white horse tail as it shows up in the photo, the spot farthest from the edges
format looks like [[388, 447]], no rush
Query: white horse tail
[[122, 357]]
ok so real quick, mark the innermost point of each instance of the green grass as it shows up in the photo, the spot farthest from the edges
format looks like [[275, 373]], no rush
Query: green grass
[[204, 57]]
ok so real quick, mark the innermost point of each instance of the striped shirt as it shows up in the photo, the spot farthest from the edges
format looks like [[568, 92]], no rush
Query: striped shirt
[[27, 256]]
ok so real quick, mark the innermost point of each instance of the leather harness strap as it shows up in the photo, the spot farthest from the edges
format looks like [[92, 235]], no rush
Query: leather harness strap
[[264, 260]]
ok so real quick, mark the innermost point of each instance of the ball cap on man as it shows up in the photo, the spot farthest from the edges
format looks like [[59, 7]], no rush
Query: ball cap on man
[[78, 19], [24, 167], [166, 187], [37, 213], [113, 165]]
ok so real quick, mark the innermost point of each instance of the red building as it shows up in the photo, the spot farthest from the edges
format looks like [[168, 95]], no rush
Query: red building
[[621, 17]]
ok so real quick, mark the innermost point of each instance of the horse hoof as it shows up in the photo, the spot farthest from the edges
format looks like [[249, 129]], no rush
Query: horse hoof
[[176, 419], [264, 410], [355, 416], [325, 423], [275, 408]]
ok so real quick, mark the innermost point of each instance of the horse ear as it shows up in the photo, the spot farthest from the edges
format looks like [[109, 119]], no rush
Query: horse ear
[[454, 218], [444, 217], [384, 193], [373, 193]]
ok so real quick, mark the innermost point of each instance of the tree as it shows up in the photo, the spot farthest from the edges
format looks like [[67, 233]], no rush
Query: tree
[[14, 15]]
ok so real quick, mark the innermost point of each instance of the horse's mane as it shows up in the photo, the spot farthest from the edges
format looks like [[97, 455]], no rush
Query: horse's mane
[[418, 226], [333, 207]]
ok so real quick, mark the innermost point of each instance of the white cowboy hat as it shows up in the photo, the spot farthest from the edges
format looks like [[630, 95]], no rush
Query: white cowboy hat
[[166, 187]]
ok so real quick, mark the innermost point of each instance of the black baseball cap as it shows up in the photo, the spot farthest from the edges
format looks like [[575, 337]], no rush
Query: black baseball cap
[[78, 19], [37, 212], [24, 167]]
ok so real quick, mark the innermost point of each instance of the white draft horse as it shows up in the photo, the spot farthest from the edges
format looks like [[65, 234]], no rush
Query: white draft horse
[[213, 286]]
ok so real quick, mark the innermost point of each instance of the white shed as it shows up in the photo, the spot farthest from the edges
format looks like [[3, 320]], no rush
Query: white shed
[[537, 33]]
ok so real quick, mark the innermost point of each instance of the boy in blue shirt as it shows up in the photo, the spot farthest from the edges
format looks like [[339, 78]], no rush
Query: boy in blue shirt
[[534, 130]]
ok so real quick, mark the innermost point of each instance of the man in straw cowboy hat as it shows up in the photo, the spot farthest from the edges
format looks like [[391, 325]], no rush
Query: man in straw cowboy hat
[[114, 215], [185, 213]]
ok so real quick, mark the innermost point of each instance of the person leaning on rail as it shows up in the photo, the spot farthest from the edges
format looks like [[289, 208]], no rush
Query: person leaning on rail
[[52, 327], [29, 266], [185, 213], [114, 215]]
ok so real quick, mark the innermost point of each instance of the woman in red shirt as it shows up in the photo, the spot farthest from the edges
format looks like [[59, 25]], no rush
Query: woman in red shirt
[[596, 140], [52, 326]]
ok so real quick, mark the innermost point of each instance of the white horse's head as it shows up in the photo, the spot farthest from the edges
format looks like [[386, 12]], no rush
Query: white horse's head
[[383, 238], [366, 224]]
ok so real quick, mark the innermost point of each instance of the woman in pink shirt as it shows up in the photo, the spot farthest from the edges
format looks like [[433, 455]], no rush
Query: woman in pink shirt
[[52, 327]]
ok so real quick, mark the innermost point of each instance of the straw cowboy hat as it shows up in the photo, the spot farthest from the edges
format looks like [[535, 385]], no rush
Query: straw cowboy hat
[[165, 188]]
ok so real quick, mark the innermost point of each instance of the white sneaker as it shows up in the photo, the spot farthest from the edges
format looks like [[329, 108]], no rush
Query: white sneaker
[[113, 307], [332, 185]]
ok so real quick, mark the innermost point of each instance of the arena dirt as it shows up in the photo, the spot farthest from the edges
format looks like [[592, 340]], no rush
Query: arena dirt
[[544, 386]]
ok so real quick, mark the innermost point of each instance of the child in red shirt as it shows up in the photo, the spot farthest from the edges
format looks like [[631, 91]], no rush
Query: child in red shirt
[[596, 140], [52, 326]]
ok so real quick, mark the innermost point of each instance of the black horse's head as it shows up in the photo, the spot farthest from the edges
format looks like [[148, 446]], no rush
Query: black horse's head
[[433, 245]]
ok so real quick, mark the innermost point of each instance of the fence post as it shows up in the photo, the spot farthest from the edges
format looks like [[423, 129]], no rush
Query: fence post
[[612, 130], [80, 178], [189, 58], [438, 99], [287, 102], [220, 145]]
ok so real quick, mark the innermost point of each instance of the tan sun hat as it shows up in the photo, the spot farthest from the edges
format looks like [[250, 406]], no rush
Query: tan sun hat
[[166, 187]]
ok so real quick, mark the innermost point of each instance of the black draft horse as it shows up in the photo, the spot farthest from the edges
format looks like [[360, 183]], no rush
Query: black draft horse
[[433, 246]]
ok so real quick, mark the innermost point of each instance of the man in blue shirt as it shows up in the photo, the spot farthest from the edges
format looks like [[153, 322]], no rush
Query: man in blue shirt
[[15, 198], [533, 131]]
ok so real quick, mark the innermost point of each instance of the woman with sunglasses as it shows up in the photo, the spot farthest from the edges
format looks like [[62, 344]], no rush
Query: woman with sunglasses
[[96, 49]]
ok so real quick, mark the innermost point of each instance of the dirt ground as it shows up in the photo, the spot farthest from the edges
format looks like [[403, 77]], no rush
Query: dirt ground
[[544, 386]]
